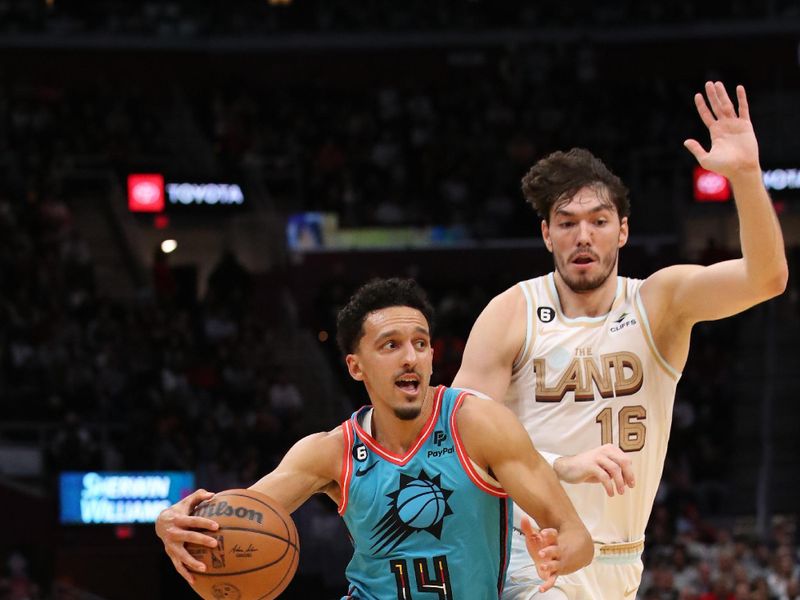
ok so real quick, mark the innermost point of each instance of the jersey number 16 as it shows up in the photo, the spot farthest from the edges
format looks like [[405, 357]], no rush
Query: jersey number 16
[[631, 431]]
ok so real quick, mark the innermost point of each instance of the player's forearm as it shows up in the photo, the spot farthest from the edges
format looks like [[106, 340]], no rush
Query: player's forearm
[[760, 233], [577, 549]]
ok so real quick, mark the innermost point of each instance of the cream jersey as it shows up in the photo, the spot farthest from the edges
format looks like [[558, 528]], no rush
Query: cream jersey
[[580, 383]]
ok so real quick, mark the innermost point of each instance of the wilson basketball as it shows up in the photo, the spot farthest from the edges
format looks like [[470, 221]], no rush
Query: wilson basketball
[[257, 548]]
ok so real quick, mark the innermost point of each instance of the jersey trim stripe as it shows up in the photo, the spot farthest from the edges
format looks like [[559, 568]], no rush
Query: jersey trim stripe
[[501, 579], [463, 457], [347, 466], [530, 311], [648, 335], [402, 459], [552, 292]]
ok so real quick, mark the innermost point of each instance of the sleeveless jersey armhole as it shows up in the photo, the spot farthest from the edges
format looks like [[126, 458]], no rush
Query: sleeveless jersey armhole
[[530, 309], [648, 334], [347, 465], [463, 457]]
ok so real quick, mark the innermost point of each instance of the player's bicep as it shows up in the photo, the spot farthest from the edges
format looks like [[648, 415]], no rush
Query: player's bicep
[[695, 293], [492, 346], [308, 468]]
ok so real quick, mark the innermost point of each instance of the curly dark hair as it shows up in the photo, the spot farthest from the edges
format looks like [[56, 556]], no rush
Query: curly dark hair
[[559, 176], [375, 295]]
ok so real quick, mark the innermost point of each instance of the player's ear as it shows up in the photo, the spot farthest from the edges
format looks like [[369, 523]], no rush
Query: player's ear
[[354, 367], [546, 235], [623, 232]]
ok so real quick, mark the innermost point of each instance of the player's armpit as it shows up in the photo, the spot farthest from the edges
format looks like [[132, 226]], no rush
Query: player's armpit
[[495, 439], [496, 339], [311, 466]]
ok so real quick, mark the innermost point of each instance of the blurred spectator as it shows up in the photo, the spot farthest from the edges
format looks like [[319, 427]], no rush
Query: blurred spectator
[[16, 583], [285, 399]]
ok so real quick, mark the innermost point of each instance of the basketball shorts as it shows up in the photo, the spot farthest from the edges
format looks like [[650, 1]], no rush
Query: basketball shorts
[[614, 574]]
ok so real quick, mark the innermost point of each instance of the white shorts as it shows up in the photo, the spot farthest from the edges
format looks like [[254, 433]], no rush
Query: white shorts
[[610, 576]]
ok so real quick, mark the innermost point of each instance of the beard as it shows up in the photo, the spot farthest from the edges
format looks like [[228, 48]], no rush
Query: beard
[[585, 283], [407, 413]]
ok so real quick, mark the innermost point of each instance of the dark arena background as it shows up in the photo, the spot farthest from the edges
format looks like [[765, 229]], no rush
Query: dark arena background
[[189, 190]]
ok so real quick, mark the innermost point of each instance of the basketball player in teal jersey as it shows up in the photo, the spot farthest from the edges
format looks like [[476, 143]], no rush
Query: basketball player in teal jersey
[[422, 477], [589, 361]]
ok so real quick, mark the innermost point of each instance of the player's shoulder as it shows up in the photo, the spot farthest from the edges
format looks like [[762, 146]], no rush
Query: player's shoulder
[[323, 445], [322, 452], [656, 290], [511, 299], [484, 422], [478, 410]]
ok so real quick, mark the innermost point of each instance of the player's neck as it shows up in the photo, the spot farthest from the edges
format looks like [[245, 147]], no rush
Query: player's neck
[[397, 435], [591, 303]]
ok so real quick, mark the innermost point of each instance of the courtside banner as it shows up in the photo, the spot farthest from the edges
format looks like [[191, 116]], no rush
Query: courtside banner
[[114, 497]]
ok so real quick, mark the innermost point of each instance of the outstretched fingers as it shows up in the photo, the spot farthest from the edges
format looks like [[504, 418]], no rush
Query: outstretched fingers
[[696, 149], [744, 107], [702, 108], [724, 107]]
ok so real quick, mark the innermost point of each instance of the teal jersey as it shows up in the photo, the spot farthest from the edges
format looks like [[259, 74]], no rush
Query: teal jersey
[[425, 525]]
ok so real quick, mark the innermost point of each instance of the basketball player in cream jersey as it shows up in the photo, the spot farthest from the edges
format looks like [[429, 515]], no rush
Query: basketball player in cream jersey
[[589, 360]]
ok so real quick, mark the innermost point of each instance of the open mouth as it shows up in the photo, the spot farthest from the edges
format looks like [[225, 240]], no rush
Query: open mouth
[[583, 259], [408, 384]]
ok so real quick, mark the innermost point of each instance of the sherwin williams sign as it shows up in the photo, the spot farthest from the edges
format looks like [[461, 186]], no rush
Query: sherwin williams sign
[[107, 497]]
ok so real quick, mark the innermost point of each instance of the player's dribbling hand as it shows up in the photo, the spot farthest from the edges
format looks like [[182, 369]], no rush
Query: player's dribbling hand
[[175, 527], [606, 464], [543, 548]]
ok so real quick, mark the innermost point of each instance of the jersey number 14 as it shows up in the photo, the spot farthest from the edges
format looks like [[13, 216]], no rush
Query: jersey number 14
[[439, 583]]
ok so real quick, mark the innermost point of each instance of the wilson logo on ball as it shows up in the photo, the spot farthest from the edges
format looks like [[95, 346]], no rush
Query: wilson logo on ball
[[223, 509]]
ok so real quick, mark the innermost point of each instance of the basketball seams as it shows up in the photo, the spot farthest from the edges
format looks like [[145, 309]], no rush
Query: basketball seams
[[259, 501], [281, 542], [288, 540], [280, 585]]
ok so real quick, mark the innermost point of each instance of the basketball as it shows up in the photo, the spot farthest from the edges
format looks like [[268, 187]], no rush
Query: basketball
[[257, 547]]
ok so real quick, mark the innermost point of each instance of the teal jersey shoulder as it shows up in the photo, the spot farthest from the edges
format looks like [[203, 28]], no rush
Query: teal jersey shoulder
[[424, 525]]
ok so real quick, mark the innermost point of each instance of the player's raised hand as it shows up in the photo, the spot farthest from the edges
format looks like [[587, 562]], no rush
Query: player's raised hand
[[606, 464], [175, 526], [734, 147], [543, 548]]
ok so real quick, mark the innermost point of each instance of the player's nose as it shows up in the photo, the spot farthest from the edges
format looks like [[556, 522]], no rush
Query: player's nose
[[584, 233], [409, 354]]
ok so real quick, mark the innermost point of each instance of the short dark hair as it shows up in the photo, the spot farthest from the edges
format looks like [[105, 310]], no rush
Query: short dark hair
[[375, 295], [560, 175]]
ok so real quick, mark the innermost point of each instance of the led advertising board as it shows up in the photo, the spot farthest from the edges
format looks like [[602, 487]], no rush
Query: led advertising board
[[150, 193], [114, 497]]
